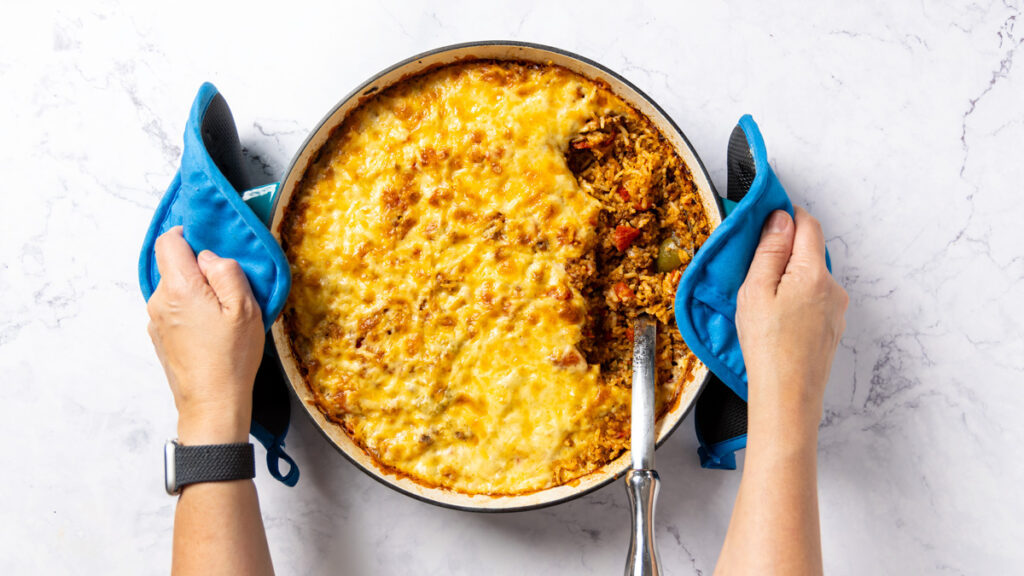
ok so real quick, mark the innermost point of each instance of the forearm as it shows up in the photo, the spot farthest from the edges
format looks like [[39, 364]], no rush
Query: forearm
[[789, 318], [208, 332], [774, 527], [218, 528]]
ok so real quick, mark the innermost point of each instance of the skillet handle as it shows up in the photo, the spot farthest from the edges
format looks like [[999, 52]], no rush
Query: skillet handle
[[721, 415], [271, 408], [271, 414]]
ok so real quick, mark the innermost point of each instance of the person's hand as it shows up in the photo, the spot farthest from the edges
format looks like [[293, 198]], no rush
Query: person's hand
[[208, 333], [789, 316]]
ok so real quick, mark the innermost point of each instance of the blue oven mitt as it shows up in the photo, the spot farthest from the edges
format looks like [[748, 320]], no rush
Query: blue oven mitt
[[705, 304], [205, 198]]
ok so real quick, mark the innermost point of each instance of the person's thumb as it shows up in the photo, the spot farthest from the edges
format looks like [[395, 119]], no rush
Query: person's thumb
[[227, 279], [772, 253]]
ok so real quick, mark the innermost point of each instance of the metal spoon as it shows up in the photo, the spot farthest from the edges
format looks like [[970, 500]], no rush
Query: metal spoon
[[642, 480]]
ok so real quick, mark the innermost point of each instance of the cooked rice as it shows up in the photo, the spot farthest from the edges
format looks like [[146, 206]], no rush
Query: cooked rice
[[642, 183]]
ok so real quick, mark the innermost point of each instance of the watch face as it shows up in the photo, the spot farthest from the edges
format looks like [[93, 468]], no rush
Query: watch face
[[170, 479]]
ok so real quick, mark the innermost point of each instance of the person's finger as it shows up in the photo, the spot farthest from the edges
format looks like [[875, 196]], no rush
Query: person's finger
[[175, 259], [772, 253], [227, 280], [809, 242]]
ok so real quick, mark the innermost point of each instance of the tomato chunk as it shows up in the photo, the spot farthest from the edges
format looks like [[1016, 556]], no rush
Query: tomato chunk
[[623, 236], [622, 291]]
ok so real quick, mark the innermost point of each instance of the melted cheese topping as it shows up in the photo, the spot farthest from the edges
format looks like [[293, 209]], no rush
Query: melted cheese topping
[[431, 309]]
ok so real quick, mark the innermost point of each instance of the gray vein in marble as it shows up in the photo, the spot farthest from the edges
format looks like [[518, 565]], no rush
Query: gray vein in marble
[[1005, 34], [921, 414], [268, 162], [152, 124], [674, 531], [522, 21]]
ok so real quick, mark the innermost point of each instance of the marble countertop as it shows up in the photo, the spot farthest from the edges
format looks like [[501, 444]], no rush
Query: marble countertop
[[900, 125]]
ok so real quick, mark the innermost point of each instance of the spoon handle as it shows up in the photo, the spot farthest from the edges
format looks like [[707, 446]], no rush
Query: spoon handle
[[642, 486], [642, 480]]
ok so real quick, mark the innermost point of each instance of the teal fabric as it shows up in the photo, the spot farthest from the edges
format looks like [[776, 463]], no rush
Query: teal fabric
[[706, 299], [705, 305], [721, 455], [216, 218]]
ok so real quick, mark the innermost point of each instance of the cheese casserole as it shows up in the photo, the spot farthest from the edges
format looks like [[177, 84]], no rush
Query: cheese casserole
[[467, 251]]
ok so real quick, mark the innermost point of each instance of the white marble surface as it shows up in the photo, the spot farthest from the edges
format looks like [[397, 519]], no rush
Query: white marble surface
[[900, 124]]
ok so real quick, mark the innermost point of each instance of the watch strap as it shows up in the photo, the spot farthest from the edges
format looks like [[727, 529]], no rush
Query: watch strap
[[213, 463]]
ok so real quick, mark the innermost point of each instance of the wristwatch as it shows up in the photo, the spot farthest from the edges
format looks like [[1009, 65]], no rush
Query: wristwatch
[[184, 465]]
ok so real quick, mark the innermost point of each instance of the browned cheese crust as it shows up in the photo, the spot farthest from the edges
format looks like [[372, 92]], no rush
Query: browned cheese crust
[[412, 367]]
